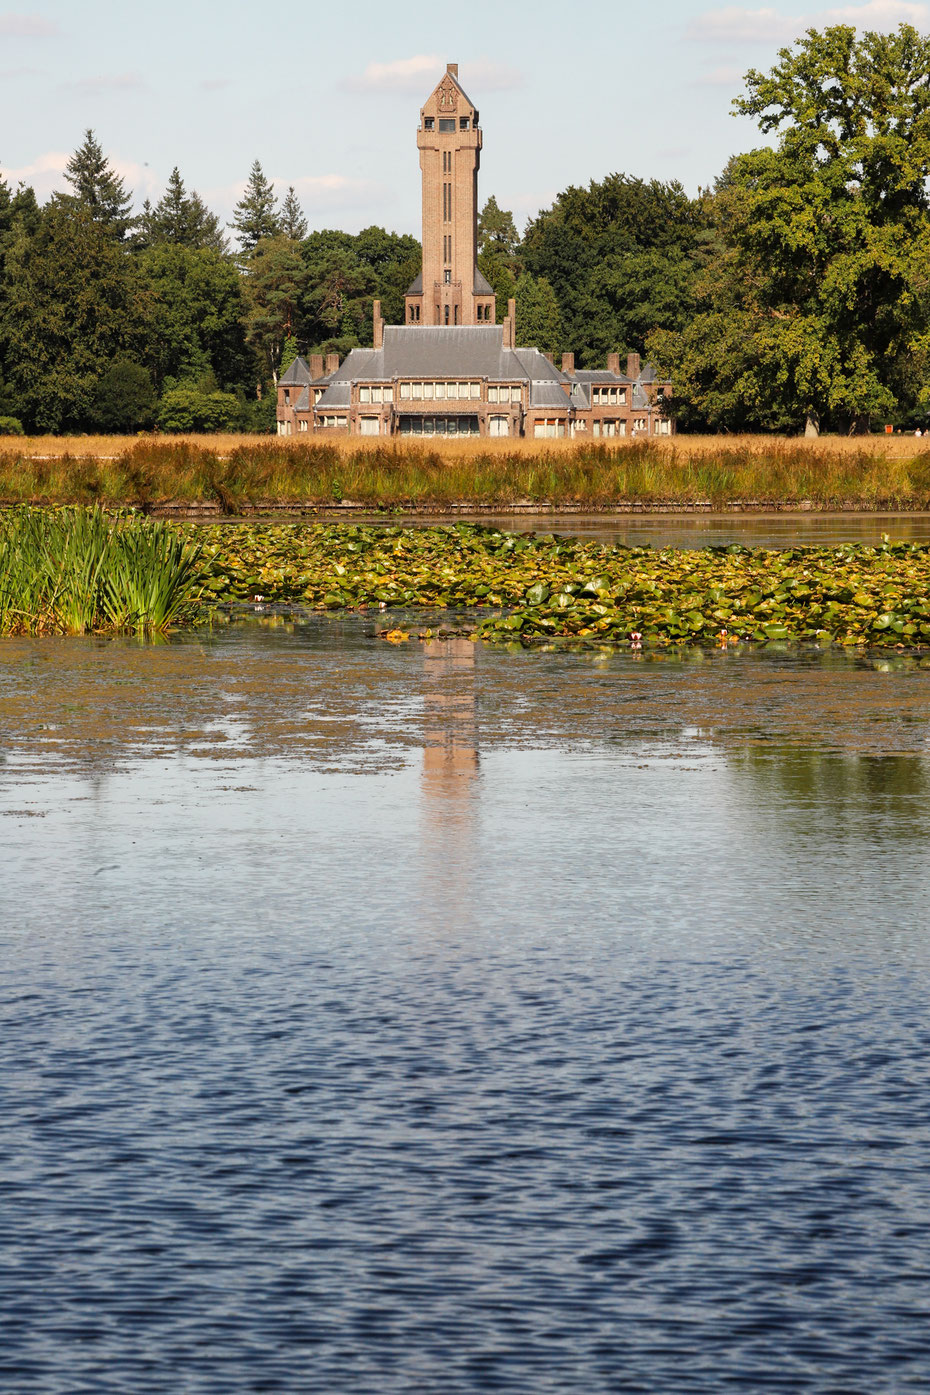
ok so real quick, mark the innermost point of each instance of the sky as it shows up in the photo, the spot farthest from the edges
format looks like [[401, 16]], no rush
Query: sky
[[327, 97]]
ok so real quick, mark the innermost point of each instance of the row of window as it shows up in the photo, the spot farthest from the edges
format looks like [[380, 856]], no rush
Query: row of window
[[451, 391], [446, 124], [424, 391], [551, 426], [612, 396], [439, 426], [334, 423]]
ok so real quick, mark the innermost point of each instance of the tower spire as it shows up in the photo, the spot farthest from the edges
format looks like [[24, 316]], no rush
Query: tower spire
[[451, 290]]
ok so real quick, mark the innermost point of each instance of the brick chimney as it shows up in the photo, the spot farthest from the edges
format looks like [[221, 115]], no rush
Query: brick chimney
[[453, 70], [568, 364], [632, 366], [378, 326], [550, 358], [332, 363], [316, 366], [509, 336], [613, 364]]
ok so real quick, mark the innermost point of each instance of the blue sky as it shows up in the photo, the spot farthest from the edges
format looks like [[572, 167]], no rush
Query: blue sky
[[327, 96]]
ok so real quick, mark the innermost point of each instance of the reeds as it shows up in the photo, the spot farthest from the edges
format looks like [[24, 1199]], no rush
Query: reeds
[[150, 473], [72, 571]]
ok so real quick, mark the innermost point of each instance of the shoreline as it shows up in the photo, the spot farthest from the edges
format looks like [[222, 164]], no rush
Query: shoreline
[[281, 510]]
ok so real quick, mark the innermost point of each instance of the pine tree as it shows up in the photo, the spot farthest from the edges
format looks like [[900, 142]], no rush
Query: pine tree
[[183, 219], [98, 188], [293, 222], [256, 214]]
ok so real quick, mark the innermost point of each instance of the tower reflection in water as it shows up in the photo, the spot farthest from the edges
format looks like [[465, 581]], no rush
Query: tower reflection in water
[[450, 774]]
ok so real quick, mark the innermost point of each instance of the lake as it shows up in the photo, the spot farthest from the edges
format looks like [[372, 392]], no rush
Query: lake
[[436, 1018]]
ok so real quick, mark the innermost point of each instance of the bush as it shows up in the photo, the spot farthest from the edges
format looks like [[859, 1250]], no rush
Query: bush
[[125, 398], [188, 409], [11, 426]]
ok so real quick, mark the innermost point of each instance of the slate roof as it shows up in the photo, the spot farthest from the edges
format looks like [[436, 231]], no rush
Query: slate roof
[[549, 394], [599, 375], [416, 286], [482, 284], [303, 402], [298, 375], [468, 351]]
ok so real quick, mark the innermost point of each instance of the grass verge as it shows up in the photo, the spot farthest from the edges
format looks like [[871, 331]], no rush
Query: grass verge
[[149, 474]]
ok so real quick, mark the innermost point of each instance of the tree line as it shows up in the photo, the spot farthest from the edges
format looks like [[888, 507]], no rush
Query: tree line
[[793, 294]]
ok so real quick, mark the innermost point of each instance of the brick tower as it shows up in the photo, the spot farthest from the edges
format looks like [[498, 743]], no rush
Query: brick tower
[[450, 289]]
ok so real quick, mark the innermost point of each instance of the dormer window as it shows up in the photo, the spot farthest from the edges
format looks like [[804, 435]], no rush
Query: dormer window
[[428, 123]]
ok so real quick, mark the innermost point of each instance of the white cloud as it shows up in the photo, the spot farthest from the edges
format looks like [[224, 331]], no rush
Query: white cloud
[[403, 75], [13, 26], [736, 25], [419, 74], [46, 174]]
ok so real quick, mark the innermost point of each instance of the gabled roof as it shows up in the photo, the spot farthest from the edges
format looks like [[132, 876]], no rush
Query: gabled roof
[[416, 287], [456, 351], [482, 284], [298, 375], [303, 402]]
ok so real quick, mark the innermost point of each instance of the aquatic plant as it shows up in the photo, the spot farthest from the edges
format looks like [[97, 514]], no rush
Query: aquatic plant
[[544, 587], [71, 571]]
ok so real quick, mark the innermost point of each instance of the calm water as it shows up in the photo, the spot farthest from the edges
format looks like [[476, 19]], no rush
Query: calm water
[[699, 530], [433, 1018]]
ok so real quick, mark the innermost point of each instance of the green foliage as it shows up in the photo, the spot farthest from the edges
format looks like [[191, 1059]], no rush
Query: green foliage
[[194, 316], [293, 222], [97, 188], [820, 296], [71, 571], [125, 397], [256, 213], [188, 409], [539, 323], [11, 426], [73, 302], [273, 287], [181, 219], [621, 257], [545, 587], [343, 274]]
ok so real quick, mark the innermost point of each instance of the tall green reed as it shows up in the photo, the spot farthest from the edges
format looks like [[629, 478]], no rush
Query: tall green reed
[[74, 570]]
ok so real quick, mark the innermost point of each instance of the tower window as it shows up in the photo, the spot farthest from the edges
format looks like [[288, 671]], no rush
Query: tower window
[[447, 276], [428, 123], [447, 123], [463, 123]]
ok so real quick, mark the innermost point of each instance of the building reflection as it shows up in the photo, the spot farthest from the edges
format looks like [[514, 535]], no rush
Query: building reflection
[[449, 773]]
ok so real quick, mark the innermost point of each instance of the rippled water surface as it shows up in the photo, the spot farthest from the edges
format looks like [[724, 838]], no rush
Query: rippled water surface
[[435, 1018]]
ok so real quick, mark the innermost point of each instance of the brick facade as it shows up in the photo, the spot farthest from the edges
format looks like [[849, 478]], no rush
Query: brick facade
[[450, 370]]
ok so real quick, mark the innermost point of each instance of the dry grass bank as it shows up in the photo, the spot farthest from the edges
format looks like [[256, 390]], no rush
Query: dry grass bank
[[239, 471], [889, 447]]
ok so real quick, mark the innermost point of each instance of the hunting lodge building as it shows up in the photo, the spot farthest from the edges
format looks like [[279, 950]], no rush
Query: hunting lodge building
[[451, 370]]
